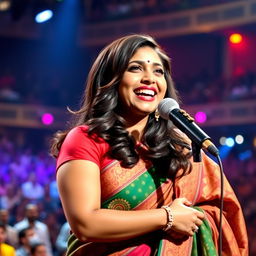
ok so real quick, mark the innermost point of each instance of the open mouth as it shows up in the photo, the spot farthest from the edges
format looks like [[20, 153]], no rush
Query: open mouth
[[145, 92]]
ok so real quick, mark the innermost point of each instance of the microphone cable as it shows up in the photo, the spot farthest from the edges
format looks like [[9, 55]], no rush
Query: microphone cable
[[221, 204]]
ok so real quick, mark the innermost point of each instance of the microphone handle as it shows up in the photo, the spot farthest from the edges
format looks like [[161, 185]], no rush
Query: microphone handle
[[182, 120]]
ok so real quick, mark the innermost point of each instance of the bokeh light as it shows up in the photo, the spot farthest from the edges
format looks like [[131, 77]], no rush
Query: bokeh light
[[222, 141], [235, 38], [201, 117], [47, 118], [239, 139], [230, 142]]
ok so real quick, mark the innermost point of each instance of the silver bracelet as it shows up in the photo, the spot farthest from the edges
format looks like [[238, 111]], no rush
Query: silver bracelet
[[169, 218]]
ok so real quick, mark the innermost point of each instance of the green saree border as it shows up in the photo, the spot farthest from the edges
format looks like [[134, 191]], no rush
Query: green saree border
[[135, 192], [203, 244]]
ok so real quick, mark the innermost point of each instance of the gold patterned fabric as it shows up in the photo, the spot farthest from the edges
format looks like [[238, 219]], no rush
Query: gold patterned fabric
[[142, 188]]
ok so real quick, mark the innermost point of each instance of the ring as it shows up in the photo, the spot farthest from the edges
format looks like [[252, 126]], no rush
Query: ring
[[196, 229]]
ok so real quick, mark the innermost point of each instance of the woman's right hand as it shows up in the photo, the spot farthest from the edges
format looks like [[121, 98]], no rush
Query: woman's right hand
[[185, 219]]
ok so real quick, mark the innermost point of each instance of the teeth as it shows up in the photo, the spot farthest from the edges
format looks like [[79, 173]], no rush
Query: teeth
[[145, 91]]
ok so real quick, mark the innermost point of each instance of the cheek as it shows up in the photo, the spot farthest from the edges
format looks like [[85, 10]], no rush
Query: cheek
[[125, 90], [163, 88]]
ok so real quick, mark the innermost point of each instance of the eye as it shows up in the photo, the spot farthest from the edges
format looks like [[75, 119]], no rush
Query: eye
[[159, 71], [135, 68]]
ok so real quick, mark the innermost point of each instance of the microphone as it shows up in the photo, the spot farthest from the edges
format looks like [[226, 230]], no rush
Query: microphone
[[169, 109]]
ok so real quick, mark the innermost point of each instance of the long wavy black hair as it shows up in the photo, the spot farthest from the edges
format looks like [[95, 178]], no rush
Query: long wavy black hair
[[99, 110]]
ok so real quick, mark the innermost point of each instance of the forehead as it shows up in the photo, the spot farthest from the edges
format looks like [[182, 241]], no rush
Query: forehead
[[30, 232], [3, 213], [147, 54], [41, 248]]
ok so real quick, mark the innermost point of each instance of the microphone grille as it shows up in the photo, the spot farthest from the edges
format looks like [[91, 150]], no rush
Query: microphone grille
[[166, 106]]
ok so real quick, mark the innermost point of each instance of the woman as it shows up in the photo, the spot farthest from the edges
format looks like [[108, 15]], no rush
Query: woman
[[5, 249], [126, 179]]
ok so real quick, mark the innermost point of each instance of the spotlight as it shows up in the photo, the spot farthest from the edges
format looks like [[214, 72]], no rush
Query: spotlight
[[43, 16], [5, 5], [235, 38], [43, 10]]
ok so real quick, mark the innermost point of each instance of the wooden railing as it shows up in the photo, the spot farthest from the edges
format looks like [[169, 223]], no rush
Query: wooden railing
[[30, 116], [199, 20], [226, 113], [229, 113]]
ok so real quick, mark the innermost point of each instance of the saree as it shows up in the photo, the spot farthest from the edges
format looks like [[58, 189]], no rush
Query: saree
[[141, 187]]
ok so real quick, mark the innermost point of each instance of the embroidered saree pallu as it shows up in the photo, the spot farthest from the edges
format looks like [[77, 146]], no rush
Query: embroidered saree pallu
[[141, 187]]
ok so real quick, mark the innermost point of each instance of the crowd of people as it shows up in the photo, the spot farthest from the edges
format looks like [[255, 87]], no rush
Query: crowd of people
[[21, 170], [29, 201], [206, 89]]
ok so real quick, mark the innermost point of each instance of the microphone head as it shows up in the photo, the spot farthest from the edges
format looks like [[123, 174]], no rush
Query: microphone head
[[166, 106]]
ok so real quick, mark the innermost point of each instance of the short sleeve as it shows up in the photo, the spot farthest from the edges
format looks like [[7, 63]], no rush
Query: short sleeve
[[78, 145]]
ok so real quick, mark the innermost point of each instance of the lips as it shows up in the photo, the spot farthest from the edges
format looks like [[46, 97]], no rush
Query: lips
[[145, 91]]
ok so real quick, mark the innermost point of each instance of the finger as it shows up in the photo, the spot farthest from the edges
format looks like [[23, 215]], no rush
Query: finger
[[198, 222], [191, 233], [200, 215], [184, 200], [194, 229]]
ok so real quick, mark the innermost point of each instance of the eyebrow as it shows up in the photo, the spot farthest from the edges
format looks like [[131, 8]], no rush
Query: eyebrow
[[143, 62]]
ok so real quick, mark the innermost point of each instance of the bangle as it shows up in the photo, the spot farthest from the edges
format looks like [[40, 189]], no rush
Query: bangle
[[169, 218]]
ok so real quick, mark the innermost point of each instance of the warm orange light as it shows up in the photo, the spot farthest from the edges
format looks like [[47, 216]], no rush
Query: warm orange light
[[235, 38]]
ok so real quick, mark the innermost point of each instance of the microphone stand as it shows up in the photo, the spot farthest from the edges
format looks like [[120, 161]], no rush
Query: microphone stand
[[196, 152]]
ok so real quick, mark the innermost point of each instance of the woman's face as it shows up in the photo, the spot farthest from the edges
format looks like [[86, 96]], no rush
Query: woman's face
[[2, 235], [143, 84]]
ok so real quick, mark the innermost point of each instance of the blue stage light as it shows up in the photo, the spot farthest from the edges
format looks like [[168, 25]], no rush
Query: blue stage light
[[245, 155], [224, 151], [43, 16]]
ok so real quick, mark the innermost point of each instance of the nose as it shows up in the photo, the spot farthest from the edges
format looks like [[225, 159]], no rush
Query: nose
[[148, 78]]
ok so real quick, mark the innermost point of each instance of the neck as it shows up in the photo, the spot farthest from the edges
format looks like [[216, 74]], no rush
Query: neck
[[136, 127], [31, 223]]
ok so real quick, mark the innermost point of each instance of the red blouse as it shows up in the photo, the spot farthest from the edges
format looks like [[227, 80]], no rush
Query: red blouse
[[78, 145]]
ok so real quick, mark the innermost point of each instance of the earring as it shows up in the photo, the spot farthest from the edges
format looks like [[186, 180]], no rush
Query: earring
[[157, 115]]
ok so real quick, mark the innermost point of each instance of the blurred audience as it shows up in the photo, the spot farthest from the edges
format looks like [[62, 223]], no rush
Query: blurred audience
[[8, 92], [61, 242], [11, 233], [39, 249], [41, 232], [32, 190], [25, 242], [6, 249]]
